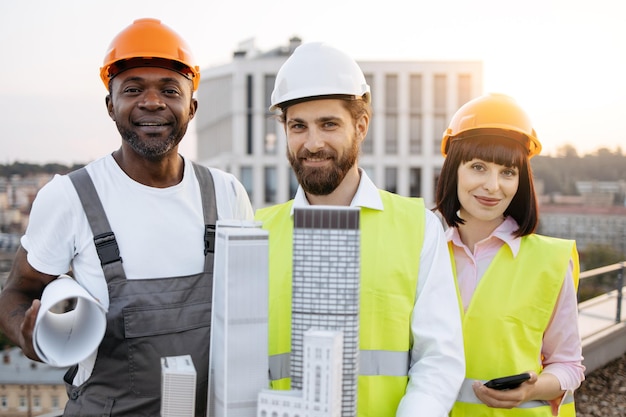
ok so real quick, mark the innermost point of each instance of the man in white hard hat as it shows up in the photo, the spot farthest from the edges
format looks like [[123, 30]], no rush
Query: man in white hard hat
[[408, 303]]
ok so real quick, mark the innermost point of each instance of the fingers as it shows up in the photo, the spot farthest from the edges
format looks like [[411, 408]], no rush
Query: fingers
[[499, 398], [27, 327]]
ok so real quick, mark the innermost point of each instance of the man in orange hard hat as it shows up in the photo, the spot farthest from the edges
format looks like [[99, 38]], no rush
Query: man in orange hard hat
[[143, 204]]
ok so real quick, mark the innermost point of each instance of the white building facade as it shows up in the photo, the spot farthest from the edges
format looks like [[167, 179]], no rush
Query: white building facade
[[412, 102]]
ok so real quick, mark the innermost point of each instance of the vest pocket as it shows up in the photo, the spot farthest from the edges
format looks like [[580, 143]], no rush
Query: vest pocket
[[153, 332], [174, 318]]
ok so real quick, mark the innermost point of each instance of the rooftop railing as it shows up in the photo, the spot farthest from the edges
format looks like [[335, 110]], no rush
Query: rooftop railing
[[619, 282]]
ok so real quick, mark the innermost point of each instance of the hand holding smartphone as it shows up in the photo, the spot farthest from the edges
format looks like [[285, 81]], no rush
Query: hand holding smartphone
[[508, 382]]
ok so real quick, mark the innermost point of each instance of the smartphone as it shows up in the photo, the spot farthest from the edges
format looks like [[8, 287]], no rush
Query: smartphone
[[508, 382]]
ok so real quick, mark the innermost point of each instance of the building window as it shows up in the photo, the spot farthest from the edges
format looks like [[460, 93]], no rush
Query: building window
[[415, 116], [415, 93], [440, 104], [4, 403], [415, 182], [440, 93], [270, 185], [249, 115], [269, 138], [245, 175], [415, 134], [464, 89], [391, 134], [37, 403], [367, 146], [55, 402], [440, 125], [391, 114], [318, 384], [22, 404], [391, 179]]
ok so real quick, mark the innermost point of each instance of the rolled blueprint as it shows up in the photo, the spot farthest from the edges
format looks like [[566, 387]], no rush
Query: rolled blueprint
[[64, 338]]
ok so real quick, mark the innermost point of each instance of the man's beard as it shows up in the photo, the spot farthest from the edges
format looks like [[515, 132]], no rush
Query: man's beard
[[152, 150], [323, 181]]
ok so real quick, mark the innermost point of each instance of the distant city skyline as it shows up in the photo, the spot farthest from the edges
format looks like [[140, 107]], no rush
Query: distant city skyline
[[562, 60]]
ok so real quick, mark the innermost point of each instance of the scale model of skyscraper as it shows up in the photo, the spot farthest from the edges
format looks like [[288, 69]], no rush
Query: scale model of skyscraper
[[238, 359], [321, 393], [325, 288], [178, 386]]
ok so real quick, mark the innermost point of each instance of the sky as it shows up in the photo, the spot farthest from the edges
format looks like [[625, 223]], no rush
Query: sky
[[563, 60]]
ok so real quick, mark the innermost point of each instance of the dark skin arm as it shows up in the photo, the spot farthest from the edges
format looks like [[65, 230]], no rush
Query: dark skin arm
[[19, 302]]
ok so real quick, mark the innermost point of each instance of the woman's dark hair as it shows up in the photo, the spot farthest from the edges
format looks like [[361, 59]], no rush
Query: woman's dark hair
[[499, 150]]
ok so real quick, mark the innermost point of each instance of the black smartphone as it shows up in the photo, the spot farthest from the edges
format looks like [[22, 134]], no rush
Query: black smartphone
[[508, 382]]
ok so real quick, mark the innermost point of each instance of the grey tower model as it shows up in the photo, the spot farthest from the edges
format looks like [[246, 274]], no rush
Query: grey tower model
[[325, 288]]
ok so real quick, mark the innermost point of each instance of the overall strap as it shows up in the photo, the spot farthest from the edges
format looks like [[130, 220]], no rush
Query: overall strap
[[103, 237], [209, 209]]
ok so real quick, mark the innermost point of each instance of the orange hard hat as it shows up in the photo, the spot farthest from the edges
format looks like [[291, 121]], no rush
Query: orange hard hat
[[494, 115], [148, 42]]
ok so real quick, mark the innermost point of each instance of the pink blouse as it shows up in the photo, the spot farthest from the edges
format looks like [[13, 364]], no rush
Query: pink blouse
[[561, 350]]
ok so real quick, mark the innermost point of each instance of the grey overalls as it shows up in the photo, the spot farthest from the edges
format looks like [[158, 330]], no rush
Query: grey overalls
[[147, 319]]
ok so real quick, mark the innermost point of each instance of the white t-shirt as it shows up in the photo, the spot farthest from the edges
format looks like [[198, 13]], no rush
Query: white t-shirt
[[152, 227]]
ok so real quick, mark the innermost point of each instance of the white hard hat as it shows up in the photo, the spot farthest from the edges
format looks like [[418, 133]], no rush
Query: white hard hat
[[318, 69]]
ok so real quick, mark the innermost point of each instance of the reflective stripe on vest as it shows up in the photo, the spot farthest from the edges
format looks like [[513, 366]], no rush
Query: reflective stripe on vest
[[371, 363], [467, 395]]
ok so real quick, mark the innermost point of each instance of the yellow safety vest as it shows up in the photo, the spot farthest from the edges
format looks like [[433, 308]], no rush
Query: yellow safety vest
[[391, 244], [505, 321]]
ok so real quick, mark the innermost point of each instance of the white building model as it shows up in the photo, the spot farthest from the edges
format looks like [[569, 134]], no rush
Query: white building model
[[325, 296], [238, 359], [321, 396], [178, 386]]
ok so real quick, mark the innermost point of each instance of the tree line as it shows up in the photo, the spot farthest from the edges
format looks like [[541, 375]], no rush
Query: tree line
[[561, 172], [25, 169]]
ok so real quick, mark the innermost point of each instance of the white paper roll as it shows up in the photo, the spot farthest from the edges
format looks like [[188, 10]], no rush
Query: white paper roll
[[64, 339]]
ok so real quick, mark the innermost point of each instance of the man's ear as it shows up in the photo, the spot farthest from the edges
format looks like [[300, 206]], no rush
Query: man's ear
[[193, 108], [108, 100], [362, 126]]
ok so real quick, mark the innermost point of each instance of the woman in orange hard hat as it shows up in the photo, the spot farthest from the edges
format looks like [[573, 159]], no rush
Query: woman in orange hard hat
[[517, 289]]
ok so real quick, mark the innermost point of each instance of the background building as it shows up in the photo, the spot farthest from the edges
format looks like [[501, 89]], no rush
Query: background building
[[597, 225], [412, 104], [596, 215], [29, 388]]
